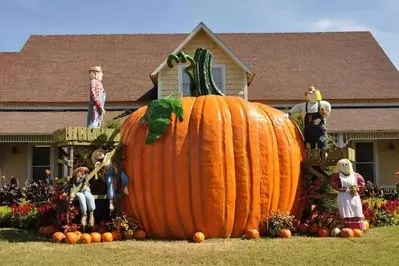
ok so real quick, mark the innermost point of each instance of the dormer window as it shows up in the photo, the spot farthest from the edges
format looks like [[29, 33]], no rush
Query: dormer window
[[219, 75]]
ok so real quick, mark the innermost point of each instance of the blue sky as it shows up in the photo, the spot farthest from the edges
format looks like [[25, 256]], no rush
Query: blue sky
[[20, 18]]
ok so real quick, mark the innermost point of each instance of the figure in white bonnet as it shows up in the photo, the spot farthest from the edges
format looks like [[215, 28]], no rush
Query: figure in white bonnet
[[349, 184], [314, 112]]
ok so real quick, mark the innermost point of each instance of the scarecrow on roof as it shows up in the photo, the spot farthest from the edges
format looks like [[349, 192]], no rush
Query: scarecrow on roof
[[314, 112], [97, 98]]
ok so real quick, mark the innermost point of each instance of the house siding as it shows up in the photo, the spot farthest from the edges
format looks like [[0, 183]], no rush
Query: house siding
[[15, 165], [388, 160], [235, 76]]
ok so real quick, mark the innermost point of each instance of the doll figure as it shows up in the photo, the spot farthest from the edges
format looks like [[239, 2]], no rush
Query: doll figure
[[314, 112], [96, 110], [108, 173], [85, 198], [349, 185]]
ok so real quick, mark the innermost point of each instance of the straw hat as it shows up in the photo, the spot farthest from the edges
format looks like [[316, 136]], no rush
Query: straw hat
[[81, 169], [97, 155], [96, 68]]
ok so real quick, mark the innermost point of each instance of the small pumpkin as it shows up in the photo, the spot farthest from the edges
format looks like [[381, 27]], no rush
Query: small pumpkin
[[78, 233], [140, 234], [252, 233], [198, 237], [50, 230], [323, 232], [107, 237], [85, 238], [314, 229], [116, 235], [41, 230], [58, 237], [95, 237], [335, 232], [285, 233], [71, 238], [302, 228], [346, 233], [357, 232], [366, 225]]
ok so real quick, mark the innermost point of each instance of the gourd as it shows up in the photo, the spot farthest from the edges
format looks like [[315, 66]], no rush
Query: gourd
[[216, 165]]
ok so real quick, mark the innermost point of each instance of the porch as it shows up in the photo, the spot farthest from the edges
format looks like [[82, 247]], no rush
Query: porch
[[376, 153]]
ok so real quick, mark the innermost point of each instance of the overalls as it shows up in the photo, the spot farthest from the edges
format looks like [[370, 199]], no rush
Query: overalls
[[315, 135]]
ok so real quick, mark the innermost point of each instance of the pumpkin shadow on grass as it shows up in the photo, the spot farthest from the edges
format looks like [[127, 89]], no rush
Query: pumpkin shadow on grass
[[20, 235]]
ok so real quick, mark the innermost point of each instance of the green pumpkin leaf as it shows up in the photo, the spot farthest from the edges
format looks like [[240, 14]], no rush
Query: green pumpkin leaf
[[158, 116]]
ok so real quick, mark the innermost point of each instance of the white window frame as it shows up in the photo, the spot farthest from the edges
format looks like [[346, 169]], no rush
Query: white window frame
[[375, 159], [180, 77], [30, 165]]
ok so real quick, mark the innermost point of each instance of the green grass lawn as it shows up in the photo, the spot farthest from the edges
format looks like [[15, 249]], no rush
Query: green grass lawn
[[379, 246]]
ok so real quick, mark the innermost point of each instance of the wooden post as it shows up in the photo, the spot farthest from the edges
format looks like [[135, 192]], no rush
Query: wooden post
[[70, 166]]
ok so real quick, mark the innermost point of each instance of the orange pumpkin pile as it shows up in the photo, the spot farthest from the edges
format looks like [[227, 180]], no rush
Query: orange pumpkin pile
[[227, 164], [95, 237]]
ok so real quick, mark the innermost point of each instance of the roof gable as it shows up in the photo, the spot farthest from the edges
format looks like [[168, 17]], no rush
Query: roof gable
[[217, 40]]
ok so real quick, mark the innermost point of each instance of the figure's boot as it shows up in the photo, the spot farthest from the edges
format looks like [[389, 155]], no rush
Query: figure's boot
[[91, 219], [111, 206], [84, 222]]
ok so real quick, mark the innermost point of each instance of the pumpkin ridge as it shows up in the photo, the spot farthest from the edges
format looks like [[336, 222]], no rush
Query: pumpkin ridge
[[139, 171], [211, 177], [240, 164], [157, 188], [195, 131], [232, 172], [187, 149], [296, 153], [170, 148], [275, 191], [277, 166], [227, 224], [254, 169], [131, 149], [284, 154]]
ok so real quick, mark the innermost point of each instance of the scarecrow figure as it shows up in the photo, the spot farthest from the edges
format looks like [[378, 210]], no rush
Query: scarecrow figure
[[349, 184], [97, 98], [314, 112], [85, 198], [109, 171]]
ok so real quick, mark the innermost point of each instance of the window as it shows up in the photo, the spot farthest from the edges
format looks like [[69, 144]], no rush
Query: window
[[365, 160], [218, 76], [40, 162]]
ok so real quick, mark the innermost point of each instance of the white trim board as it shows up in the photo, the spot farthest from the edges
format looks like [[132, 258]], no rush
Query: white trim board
[[227, 50]]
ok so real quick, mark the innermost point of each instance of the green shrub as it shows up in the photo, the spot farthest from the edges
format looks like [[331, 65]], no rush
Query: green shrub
[[5, 216], [24, 216]]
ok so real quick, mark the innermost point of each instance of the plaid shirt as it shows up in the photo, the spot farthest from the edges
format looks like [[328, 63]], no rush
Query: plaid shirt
[[96, 88]]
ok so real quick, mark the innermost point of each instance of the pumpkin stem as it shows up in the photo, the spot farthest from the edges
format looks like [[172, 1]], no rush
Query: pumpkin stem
[[199, 71]]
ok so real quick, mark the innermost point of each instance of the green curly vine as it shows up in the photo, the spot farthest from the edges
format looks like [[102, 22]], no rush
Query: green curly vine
[[199, 71]]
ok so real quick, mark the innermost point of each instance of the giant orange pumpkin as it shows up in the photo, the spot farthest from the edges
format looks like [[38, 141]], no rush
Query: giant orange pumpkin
[[228, 163]]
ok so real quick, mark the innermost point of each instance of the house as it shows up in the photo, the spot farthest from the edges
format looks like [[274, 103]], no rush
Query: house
[[44, 87]]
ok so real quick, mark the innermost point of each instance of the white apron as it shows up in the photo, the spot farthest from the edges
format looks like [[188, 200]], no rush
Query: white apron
[[349, 207]]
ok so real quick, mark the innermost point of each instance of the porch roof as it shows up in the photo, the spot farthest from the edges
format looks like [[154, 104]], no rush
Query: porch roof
[[363, 120], [44, 123]]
